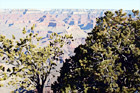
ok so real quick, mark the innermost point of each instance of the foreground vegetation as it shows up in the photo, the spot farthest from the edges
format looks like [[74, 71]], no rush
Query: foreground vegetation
[[109, 61], [27, 64]]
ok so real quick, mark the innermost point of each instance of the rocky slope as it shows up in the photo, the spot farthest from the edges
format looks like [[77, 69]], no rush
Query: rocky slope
[[77, 22]]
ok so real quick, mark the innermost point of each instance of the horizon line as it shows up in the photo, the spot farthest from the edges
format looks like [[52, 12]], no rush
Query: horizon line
[[61, 9]]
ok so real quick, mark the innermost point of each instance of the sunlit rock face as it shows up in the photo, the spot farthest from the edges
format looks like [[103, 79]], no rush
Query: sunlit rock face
[[77, 22]]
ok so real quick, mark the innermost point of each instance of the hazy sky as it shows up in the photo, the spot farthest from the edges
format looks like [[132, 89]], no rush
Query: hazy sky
[[70, 4]]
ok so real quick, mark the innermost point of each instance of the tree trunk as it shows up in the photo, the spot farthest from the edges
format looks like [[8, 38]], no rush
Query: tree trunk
[[39, 89]]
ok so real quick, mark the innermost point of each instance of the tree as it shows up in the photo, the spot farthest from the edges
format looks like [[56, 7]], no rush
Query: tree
[[109, 61], [29, 63]]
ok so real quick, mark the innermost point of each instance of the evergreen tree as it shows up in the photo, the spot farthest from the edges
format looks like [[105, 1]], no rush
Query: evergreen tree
[[109, 61], [29, 63]]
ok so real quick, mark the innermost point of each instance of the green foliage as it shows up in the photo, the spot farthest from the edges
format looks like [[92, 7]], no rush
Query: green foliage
[[109, 61], [30, 65]]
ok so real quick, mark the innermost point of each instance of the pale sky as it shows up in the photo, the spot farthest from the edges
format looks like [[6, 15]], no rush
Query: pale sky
[[70, 4]]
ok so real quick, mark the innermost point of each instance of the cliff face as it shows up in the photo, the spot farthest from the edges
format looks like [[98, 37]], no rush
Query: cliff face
[[77, 22]]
